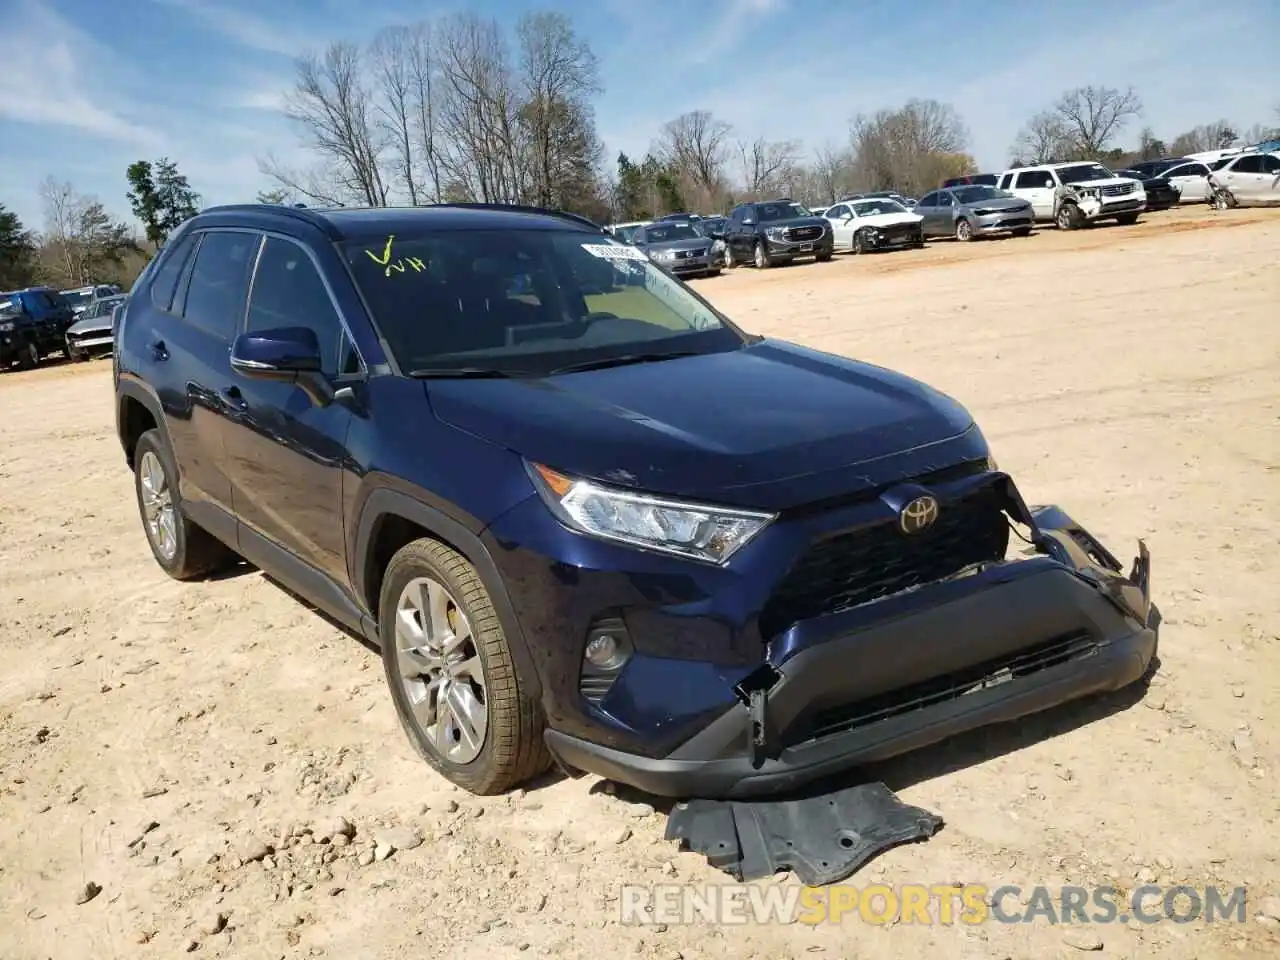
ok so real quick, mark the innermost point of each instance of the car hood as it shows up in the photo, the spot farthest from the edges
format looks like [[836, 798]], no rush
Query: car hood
[[92, 325], [696, 243], [1106, 182], [772, 425], [888, 219]]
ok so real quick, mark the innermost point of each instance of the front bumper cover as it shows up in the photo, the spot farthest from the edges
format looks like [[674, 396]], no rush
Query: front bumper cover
[[1003, 642]]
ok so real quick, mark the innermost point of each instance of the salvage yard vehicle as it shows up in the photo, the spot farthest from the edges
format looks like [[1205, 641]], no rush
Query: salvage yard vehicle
[[678, 248], [32, 325], [568, 521], [92, 334], [862, 226], [966, 212], [1251, 179], [1073, 195], [775, 232]]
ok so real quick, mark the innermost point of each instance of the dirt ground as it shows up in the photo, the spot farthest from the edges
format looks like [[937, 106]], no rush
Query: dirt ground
[[152, 734]]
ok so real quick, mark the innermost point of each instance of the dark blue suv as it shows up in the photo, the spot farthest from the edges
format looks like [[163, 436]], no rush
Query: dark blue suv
[[587, 518]]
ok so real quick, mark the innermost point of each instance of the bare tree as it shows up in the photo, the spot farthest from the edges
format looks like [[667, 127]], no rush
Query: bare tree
[[425, 92], [768, 164], [330, 103], [1043, 140], [62, 210], [391, 61], [695, 144], [1091, 117], [831, 172], [559, 74], [910, 148], [478, 111], [1206, 136]]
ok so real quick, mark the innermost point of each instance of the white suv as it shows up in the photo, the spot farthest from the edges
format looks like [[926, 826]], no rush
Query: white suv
[[1074, 194]]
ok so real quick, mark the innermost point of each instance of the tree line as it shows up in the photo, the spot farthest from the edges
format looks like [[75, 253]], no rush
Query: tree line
[[459, 109]]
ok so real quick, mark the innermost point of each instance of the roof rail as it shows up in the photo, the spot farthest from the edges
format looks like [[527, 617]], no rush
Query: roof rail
[[297, 213], [525, 208]]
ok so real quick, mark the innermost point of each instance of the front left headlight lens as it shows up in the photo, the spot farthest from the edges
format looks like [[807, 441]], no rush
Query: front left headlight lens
[[696, 531]]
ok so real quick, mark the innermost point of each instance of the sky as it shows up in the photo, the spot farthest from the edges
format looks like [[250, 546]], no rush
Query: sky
[[89, 86]]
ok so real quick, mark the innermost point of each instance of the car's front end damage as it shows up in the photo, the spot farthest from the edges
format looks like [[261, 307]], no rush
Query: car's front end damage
[[877, 642], [1098, 200]]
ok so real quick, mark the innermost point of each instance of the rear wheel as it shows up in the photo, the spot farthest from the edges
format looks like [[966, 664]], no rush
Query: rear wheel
[[183, 550], [964, 230], [451, 674], [28, 356], [729, 261], [823, 257]]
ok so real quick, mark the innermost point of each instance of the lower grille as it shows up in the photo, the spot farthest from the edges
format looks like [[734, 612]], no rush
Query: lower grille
[[940, 690], [850, 569]]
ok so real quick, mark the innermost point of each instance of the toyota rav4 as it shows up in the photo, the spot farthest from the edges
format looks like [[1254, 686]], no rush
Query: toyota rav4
[[588, 519]]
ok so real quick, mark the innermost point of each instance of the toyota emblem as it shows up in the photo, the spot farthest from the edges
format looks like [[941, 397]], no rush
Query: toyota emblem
[[918, 515]]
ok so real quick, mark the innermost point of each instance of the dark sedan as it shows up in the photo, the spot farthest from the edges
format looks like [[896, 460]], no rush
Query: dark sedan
[[93, 334], [974, 211], [677, 247], [1161, 194]]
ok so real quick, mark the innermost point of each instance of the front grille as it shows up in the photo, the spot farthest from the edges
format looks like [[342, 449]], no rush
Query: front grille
[[687, 254], [1119, 190], [945, 688], [849, 569], [803, 233]]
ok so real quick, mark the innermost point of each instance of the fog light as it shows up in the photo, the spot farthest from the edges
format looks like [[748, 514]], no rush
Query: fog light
[[604, 652]]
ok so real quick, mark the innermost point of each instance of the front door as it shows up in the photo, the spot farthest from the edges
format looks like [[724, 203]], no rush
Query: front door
[[927, 208], [1037, 188], [285, 456], [841, 235]]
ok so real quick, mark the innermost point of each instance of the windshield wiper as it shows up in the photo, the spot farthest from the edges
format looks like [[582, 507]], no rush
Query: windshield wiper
[[624, 360], [466, 373]]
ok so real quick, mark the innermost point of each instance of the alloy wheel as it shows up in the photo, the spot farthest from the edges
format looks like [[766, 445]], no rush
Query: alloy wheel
[[964, 231], [441, 670], [157, 506]]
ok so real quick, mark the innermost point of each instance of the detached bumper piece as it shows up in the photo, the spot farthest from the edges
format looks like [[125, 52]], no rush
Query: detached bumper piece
[[822, 838]]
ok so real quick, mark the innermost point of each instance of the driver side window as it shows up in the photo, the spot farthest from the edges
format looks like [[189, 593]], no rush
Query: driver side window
[[288, 292], [945, 200]]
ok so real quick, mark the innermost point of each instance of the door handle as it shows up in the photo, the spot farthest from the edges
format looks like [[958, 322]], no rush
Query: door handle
[[158, 350], [234, 398]]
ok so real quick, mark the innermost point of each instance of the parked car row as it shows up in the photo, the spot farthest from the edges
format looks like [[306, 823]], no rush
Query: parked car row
[[1068, 195], [37, 322]]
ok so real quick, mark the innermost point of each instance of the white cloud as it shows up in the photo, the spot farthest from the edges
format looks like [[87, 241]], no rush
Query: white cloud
[[248, 29]]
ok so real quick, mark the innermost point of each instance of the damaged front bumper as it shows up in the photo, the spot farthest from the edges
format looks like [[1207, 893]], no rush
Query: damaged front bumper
[[994, 644]]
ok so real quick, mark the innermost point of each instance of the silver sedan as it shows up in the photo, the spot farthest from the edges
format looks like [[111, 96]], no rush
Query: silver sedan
[[974, 210]]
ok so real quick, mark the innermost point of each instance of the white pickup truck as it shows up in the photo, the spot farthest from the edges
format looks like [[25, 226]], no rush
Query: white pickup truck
[[1075, 194]]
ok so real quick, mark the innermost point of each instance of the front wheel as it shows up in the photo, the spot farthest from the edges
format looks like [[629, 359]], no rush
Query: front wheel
[[964, 230], [729, 261], [453, 681], [823, 257], [859, 242], [1022, 232], [28, 356], [1069, 217]]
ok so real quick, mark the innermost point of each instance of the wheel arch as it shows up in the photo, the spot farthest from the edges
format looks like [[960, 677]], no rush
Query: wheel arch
[[390, 519], [137, 411]]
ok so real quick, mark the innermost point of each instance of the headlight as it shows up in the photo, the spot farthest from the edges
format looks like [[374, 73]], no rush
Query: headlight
[[664, 255], [774, 233], [6, 327], [697, 531]]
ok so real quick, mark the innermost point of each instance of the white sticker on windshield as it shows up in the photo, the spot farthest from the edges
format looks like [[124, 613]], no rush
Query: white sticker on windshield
[[614, 251]]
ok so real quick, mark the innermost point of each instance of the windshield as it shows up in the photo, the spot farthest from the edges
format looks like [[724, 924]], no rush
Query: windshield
[[78, 298], [1090, 171], [979, 193], [102, 308], [871, 208], [707, 224], [781, 211], [626, 233], [526, 302], [670, 231]]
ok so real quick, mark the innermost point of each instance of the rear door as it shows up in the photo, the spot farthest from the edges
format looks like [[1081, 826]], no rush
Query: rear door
[[1037, 188], [944, 214], [1243, 177], [286, 457], [190, 356]]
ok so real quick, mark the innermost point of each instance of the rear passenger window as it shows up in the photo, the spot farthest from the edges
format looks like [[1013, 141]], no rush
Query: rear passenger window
[[219, 282], [166, 280], [288, 292], [1035, 180]]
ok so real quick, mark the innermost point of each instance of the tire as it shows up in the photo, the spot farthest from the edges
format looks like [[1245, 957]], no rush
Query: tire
[[1022, 232], [823, 257], [964, 230], [1069, 217], [713, 273], [859, 244], [510, 749], [1127, 219], [184, 550], [762, 257], [729, 262], [28, 356], [76, 355]]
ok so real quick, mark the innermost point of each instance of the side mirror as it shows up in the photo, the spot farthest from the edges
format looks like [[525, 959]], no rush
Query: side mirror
[[286, 355]]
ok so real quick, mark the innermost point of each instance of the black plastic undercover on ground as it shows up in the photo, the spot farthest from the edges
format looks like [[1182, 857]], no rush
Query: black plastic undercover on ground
[[822, 838]]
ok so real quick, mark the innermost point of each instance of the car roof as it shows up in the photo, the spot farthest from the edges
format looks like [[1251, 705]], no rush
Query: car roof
[[357, 223]]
